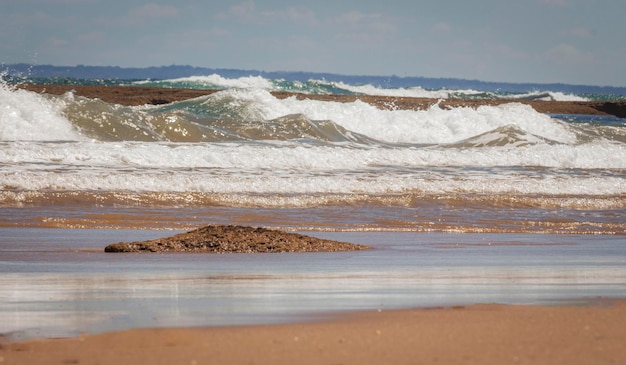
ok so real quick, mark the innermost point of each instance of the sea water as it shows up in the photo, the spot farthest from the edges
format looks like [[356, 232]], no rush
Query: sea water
[[540, 200], [241, 152], [59, 282]]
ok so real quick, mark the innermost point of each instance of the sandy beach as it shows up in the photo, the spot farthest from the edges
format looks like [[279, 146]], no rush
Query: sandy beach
[[592, 333], [139, 95]]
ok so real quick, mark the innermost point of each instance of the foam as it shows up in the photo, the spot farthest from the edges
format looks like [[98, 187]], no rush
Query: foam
[[415, 92], [27, 116], [217, 81], [315, 86], [292, 168], [439, 157], [294, 183], [434, 125], [547, 96]]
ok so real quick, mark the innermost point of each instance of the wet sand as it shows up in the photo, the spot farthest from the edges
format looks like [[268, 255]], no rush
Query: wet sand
[[578, 331], [139, 95], [594, 333]]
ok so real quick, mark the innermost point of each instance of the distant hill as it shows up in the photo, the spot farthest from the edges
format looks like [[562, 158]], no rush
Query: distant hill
[[177, 71]]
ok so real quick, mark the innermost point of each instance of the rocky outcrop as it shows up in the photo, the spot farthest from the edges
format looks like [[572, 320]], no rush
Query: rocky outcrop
[[140, 95], [234, 239]]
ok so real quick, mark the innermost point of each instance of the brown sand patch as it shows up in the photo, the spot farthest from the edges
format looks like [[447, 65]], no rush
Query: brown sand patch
[[478, 334], [141, 95], [235, 239]]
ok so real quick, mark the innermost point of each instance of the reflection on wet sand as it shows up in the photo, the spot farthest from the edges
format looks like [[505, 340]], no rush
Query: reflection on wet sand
[[67, 287]]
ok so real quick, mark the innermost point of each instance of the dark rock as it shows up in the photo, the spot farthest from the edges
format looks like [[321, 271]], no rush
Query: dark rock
[[140, 95]]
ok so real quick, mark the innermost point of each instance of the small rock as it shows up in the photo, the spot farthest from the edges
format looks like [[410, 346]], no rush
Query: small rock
[[235, 239]]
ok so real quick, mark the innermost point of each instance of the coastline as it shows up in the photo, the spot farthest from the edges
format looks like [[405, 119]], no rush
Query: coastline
[[589, 333], [571, 332], [141, 95]]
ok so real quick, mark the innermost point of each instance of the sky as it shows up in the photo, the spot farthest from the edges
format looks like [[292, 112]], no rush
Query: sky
[[540, 41]]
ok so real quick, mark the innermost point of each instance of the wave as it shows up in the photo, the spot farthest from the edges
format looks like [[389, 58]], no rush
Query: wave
[[509, 135], [317, 86], [219, 82], [29, 116], [245, 147], [256, 115], [543, 96], [290, 168]]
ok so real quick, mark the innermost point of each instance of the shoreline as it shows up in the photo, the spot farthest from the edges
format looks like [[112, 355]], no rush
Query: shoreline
[[142, 95], [583, 327], [592, 332]]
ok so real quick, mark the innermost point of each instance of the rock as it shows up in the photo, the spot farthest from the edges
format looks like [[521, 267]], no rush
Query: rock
[[140, 95], [235, 239]]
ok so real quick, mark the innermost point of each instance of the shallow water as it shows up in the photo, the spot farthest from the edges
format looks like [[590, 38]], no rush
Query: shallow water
[[58, 282]]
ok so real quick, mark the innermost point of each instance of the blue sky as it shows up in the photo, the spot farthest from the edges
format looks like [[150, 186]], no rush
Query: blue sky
[[566, 41]]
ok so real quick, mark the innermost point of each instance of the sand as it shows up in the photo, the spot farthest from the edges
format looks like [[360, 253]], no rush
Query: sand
[[139, 95], [592, 333]]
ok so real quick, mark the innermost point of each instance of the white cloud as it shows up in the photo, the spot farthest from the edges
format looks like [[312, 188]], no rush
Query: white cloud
[[245, 10], [442, 28], [197, 39], [579, 32], [376, 22], [566, 54], [154, 11], [91, 37], [48, 2], [506, 51], [57, 42], [248, 12], [554, 2]]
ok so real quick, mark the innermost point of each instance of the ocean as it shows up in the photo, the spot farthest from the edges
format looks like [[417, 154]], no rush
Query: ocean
[[243, 156], [493, 204]]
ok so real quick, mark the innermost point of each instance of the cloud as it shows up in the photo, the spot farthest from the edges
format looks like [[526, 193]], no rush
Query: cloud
[[554, 2], [566, 54], [91, 37], [245, 10], [354, 18], [377, 22], [442, 27], [197, 39], [579, 32], [57, 42], [506, 51], [49, 2], [154, 11], [248, 12]]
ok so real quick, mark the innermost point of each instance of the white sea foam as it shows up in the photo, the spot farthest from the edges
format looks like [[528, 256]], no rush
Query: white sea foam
[[29, 116], [269, 184], [434, 125], [313, 86], [217, 81], [298, 157], [548, 96], [288, 168], [415, 92], [33, 158]]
